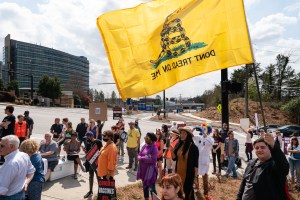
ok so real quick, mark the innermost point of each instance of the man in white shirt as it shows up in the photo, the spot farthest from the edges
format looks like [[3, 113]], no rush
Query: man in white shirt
[[17, 170]]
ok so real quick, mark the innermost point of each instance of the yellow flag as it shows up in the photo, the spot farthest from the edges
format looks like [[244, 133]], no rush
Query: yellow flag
[[157, 44]]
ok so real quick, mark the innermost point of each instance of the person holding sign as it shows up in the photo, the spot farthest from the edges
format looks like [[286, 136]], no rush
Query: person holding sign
[[90, 143], [108, 157], [148, 170]]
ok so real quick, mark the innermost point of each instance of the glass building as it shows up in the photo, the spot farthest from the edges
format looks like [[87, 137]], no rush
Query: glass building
[[25, 59]]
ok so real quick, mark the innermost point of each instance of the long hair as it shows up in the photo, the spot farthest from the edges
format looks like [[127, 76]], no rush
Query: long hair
[[188, 141], [175, 180]]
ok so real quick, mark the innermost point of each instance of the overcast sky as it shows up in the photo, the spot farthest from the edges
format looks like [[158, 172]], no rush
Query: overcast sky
[[70, 26]]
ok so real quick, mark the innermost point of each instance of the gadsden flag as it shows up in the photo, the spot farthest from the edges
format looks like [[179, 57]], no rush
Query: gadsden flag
[[157, 44]]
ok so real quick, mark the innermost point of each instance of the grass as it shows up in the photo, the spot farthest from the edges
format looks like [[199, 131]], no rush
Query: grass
[[223, 189]]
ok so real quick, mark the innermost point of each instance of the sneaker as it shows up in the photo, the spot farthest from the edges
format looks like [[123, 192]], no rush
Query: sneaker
[[135, 169], [88, 194], [128, 167], [75, 176], [235, 177]]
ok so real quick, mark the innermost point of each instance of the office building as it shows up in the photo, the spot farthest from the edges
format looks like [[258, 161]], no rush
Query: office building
[[22, 60]]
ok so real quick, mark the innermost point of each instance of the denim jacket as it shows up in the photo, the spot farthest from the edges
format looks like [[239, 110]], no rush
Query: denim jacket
[[235, 146]]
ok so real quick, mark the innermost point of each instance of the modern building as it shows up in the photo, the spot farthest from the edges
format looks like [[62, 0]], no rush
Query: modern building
[[22, 60]]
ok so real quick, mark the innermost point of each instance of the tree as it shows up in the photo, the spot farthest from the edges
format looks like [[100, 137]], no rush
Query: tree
[[13, 85], [293, 109], [50, 87], [157, 100], [113, 97], [1, 85], [283, 73]]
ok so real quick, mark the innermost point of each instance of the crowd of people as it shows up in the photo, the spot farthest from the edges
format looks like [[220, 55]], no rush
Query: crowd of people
[[173, 157]]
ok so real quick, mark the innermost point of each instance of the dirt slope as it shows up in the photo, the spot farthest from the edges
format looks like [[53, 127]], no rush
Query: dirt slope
[[272, 112]]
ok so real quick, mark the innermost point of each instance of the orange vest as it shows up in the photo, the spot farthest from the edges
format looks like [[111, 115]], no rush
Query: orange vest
[[21, 130]]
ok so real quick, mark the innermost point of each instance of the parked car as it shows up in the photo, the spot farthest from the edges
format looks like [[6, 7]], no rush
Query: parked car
[[288, 130], [270, 128]]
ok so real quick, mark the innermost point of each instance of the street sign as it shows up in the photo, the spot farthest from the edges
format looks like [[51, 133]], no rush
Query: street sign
[[117, 113], [219, 107]]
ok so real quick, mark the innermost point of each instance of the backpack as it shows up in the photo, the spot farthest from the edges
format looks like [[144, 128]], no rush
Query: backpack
[[124, 136]]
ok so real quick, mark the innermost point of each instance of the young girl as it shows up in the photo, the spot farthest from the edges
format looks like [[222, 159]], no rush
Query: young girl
[[172, 187]]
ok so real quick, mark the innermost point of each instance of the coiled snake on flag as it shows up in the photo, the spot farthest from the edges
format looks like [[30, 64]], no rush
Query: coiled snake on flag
[[173, 39]]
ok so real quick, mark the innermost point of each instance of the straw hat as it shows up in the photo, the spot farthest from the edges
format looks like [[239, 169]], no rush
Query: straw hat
[[187, 129]]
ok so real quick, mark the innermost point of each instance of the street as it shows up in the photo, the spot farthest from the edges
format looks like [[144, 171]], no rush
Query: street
[[44, 117]]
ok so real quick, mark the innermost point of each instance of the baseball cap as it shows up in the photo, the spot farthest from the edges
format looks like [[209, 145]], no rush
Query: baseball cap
[[89, 133]]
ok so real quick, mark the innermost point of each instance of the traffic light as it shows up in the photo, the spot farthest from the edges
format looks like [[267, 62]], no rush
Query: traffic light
[[235, 87]]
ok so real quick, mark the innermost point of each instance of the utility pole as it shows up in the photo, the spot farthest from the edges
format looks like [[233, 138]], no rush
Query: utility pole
[[224, 91]]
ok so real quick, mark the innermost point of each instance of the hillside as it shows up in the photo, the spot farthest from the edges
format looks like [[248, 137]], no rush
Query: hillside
[[272, 112]]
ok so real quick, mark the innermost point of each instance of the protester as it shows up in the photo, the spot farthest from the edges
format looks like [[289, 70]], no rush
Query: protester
[[29, 122], [132, 145], [216, 151], [165, 131], [147, 170], [294, 159], [265, 177], [172, 187], [123, 136], [7, 125], [160, 146], [56, 129], [224, 134], [48, 150], [170, 164], [61, 139], [81, 129], [108, 158], [17, 170], [34, 190], [187, 155], [21, 129], [90, 141], [100, 127], [115, 130], [205, 145], [231, 152], [136, 124], [72, 150], [66, 136], [93, 127], [249, 146]]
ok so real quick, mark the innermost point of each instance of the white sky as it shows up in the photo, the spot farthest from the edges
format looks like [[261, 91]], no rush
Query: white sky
[[70, 26]]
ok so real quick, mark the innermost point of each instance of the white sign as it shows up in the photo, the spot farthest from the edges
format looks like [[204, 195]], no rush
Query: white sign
[[244, 123]]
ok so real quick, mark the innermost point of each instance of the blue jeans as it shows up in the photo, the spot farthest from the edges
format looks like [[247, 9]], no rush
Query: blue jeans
[[34, 190], [146, 190], [295, 169], [231, 166], [18, 196]]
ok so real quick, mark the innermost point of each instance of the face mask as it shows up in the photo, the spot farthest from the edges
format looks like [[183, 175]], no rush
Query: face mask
[[105, 139]]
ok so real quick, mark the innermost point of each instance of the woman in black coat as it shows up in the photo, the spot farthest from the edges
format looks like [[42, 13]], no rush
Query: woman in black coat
[[186, 154]]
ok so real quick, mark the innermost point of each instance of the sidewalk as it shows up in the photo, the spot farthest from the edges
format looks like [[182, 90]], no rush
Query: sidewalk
[[69, 189]]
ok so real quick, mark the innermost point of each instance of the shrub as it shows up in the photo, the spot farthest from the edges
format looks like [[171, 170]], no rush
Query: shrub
[[7, 97]]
